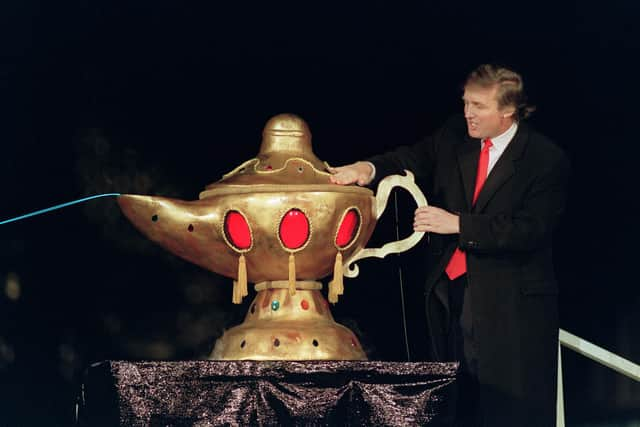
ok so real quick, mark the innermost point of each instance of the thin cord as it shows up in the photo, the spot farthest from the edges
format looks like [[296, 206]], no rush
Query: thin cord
[[52, 208], [404, 313]]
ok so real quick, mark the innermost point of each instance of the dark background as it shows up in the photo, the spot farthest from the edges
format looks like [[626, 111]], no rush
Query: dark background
[[164, 97]]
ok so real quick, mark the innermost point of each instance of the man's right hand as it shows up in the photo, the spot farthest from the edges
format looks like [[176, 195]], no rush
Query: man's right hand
[[358, 172]]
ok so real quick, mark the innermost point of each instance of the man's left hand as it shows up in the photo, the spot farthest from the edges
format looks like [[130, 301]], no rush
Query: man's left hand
[[435, 220]]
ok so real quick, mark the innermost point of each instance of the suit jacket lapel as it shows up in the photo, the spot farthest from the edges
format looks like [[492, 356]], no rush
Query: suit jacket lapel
[[503, 169], [468, 154]]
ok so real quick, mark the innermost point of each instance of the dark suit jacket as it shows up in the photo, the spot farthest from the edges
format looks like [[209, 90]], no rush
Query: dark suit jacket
[[507, 236]]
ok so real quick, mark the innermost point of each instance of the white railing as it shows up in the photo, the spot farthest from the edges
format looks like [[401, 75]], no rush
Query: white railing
[[595, 353]]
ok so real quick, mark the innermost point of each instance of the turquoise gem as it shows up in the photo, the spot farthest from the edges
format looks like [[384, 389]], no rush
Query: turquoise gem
[[275, 305]]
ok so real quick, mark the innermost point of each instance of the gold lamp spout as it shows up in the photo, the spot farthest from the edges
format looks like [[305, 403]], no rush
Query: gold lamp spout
[[185, 228]]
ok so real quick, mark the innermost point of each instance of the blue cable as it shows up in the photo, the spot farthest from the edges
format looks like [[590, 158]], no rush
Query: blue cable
[[6, 221]]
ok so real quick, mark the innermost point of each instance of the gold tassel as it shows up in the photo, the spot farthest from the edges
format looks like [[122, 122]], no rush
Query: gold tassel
[[333, 296], [337, 275], [240, 285], [336, 286], [292, 275], [235, 296], [242, 277]]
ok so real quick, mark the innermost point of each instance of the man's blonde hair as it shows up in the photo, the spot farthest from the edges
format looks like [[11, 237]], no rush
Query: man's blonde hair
[[510, 87]]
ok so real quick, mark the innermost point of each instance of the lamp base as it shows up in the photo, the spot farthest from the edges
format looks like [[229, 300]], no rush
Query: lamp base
[[280, 326]]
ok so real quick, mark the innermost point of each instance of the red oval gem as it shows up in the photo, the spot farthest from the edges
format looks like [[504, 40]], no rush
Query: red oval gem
[[294, 229], [237, 230], [304, 304], [348, 228]]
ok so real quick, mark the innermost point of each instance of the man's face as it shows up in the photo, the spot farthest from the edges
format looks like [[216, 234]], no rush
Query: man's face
[[484, 118]]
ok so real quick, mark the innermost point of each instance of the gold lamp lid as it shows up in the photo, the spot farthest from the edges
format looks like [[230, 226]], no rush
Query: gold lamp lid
[[286, 160]]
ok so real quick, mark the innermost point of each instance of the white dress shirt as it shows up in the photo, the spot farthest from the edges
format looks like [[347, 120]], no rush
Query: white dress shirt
[[500, 143]]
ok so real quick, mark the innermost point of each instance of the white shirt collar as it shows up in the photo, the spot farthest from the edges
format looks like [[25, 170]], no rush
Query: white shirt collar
[[501, 141]]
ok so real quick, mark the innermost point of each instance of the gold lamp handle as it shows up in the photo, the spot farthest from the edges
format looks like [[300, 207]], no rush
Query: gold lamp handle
[[382, 195]]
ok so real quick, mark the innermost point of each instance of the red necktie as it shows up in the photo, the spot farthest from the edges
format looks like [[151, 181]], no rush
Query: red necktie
[[458, 263]]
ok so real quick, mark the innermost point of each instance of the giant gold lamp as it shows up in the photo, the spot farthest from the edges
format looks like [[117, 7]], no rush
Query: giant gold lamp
[[277, 221]]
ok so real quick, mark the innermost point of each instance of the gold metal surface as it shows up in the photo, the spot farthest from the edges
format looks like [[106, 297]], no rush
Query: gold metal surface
[[284, 284], [285, 158], [300, 328], [194, 230], [285, 175]]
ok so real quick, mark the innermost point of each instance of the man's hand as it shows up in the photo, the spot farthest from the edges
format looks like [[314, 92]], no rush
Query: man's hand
[[358, 172], [436, 220]]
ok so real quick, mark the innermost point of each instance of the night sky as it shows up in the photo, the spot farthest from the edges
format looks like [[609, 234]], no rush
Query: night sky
[[163, 97]]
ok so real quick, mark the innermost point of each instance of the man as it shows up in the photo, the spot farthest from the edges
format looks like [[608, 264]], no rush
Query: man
[[496, 189]]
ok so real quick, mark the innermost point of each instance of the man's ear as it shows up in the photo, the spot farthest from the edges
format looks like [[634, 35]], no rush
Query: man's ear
[[508, 112]]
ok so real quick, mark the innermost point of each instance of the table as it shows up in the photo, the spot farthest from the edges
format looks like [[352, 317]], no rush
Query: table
[[265, 393]]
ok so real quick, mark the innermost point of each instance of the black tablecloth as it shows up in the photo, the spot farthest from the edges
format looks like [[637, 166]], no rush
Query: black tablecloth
[[212, 393]]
